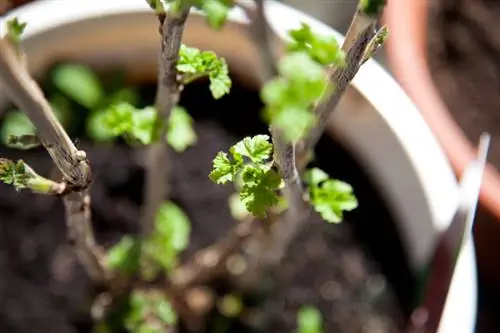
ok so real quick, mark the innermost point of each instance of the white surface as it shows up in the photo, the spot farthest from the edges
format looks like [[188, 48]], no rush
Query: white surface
[[391, 139]]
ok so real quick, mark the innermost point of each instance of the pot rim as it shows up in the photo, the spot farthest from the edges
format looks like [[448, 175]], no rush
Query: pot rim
[[432, 179]]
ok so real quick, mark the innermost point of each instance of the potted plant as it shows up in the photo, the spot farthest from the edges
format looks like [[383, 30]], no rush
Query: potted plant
[[100, 34]]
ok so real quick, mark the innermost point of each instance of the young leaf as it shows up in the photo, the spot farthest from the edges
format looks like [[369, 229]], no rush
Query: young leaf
[[259, 183], [15, 29], [79, 83], [22, 176], [259, 191], [258, 148], [119, 118], [324, 50], [216, 12], [309, 320], [13, 173], [329, 197], [171, 236], [143, 122], [224, 169], [194, 63], [289, 97], [149, 312], [125, 255], [180, 132], [15, 124]]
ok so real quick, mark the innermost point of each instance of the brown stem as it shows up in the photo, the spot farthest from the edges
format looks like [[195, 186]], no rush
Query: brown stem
[[73, 164], [362, 31], [81, 235], [27, 95], [167, 96]]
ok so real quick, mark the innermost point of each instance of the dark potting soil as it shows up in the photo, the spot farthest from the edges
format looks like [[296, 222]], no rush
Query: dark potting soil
[[352, 272]]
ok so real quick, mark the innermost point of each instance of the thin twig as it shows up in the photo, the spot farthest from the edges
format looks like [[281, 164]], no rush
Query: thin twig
[[28, 96], [284, 230], [73, 164], [362, 31], [81, 235], [167, 96]]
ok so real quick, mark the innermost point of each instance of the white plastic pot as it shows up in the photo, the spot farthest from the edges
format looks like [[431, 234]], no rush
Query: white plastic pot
[[375, 120]]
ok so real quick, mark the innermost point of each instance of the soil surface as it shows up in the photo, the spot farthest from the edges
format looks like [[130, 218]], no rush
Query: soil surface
[[351, 271]]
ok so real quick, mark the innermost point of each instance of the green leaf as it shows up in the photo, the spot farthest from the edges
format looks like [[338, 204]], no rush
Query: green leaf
[[324, 50], [15, 124], [96, 127], [143, 125], [173, 223], [125, 255], [15, 29], [166, 312], [298, 66], [149, 312], [259, 191], [194, 63], [216, 12], [289, 97], [330, 197], [180, 132], [13, 173], [315, 176], [224, 169], [171, 235], [309, 320], [79, 83], [257, 149], [119, 118]]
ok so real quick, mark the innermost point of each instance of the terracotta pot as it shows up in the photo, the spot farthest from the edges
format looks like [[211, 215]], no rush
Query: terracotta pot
[[407, 55]]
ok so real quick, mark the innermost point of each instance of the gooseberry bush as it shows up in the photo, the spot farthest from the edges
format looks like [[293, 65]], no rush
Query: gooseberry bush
[[274, 189]]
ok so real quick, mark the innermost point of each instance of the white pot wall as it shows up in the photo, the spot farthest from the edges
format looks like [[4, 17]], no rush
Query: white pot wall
[[376, 120]]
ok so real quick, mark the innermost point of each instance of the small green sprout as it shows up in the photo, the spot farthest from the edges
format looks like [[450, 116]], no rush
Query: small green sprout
[[22, 176], [194, 63], [250, 164], [309, 320], [289, 97], [79, 83], [150, 312], [325, 50], [216, 11], [124, 256], [159, 251], [123, 119], [170, 237], [329, 197], [180, 132], [15, 29]]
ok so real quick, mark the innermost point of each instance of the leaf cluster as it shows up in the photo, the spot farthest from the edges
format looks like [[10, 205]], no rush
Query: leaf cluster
[[250, 165], [194, 63], [156, 253], [329, 197], [150, 312]]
